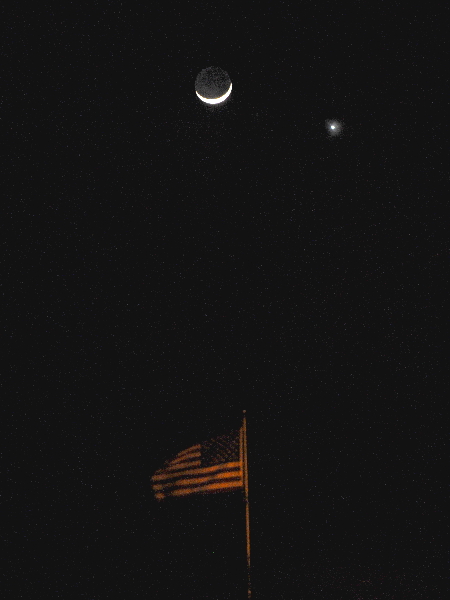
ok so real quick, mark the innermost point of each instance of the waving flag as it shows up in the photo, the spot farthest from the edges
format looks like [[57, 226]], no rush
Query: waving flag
[[209, 467]]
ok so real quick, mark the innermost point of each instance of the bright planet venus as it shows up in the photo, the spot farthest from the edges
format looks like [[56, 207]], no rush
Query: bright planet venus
[[334, 127], [213, 85]]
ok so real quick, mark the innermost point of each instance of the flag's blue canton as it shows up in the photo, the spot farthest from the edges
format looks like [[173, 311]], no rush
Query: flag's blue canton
[[222, 449]]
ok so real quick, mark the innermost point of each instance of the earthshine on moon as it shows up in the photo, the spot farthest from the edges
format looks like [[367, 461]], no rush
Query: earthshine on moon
[[213, 85]]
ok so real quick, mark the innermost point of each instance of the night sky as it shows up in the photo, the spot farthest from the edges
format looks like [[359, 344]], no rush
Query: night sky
[[170, 264]]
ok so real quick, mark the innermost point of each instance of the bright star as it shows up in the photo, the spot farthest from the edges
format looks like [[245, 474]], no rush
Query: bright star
[[334, 127]]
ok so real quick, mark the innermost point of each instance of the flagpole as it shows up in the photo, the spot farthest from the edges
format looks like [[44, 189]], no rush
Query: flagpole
[[247, 507]]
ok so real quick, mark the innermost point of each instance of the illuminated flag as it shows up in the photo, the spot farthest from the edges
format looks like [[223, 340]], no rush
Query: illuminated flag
[[206, 468]]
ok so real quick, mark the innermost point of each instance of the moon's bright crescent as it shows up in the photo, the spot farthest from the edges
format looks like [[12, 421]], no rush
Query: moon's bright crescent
[[216, 100]]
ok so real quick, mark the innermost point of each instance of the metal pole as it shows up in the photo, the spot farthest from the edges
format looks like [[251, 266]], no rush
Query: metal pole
[[247, 507]]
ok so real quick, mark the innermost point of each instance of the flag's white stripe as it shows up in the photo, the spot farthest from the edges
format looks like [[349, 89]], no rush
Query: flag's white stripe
[[186, 457], [167, 473], [194, 447], [202, 479], [179, 468], [216, 487]]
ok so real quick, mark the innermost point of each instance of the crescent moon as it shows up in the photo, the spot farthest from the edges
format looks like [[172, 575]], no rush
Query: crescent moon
[[216, 100]]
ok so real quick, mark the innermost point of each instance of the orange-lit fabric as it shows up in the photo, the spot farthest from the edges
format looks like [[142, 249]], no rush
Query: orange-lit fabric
[[210, 467]]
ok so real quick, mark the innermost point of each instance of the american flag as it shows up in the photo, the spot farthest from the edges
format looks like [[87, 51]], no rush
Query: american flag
[[209, 467]]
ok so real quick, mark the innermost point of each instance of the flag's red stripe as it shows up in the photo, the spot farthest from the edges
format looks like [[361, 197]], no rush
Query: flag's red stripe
[[171, 475], [223, 486]]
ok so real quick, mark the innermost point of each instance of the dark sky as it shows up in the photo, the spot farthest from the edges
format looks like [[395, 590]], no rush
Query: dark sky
[[168, 266]]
